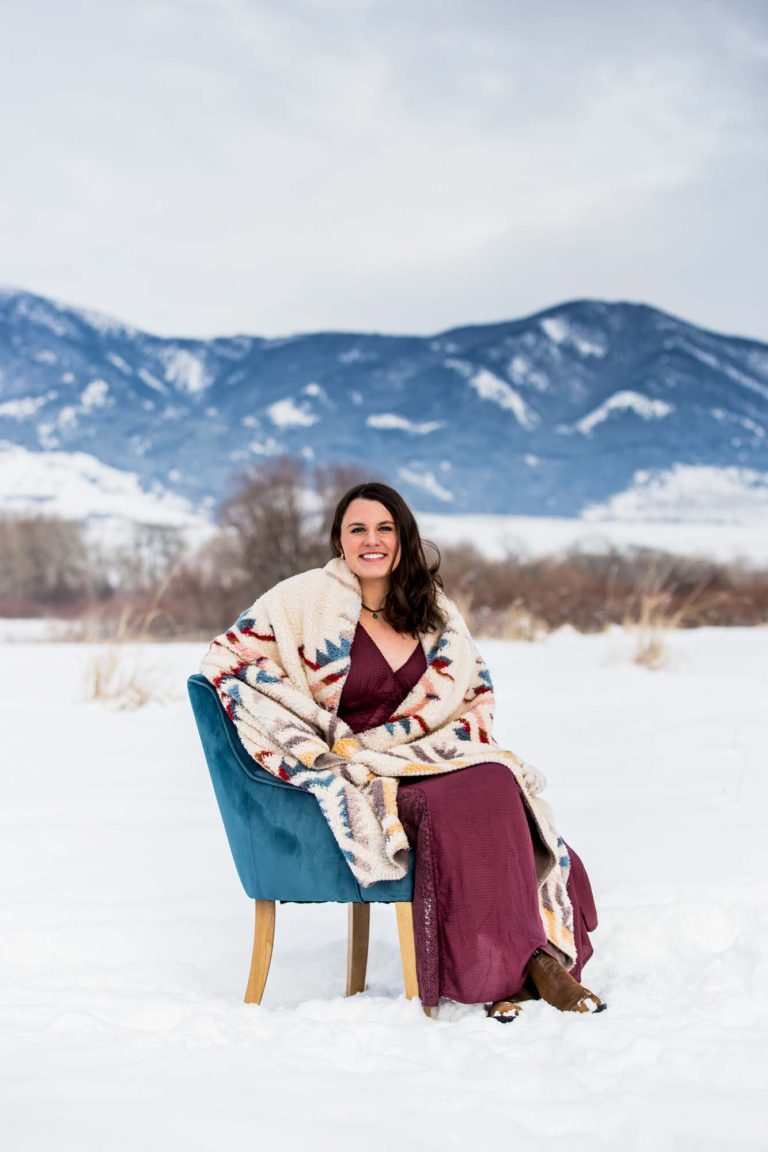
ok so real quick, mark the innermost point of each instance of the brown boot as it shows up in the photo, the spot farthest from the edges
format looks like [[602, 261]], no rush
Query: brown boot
[[556, 985], [505, 1011]]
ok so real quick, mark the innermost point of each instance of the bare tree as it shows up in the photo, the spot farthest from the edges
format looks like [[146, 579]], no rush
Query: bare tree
[[44, 561], [267, 518], [143, 562]]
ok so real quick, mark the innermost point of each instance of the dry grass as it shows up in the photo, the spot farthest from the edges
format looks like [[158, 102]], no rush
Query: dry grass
[[519, 623], [115, 676], [117, 673], [654, 620], [663, 607]]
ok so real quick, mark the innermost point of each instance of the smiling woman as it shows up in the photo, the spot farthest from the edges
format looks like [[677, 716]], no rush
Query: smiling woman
[[352, 679], [375, 543]]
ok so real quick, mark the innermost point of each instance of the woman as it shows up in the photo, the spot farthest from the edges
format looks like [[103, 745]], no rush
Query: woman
[[354, 678]]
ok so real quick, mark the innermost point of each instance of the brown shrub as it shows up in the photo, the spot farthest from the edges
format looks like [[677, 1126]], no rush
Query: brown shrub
[[590, 592]]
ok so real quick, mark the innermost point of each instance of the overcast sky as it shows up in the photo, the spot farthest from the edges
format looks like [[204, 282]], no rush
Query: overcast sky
[[203, 167]]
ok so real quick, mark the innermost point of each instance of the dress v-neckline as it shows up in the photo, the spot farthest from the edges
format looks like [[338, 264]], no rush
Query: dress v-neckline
[[394, 671]]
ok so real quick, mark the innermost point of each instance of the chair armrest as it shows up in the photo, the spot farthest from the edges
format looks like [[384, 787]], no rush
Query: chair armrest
[[208, 709]]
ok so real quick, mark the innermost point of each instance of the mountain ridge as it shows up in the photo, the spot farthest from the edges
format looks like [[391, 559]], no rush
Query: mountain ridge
[[551, 414], [107, 320]]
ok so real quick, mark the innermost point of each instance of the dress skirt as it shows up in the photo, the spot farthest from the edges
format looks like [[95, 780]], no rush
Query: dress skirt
[[475, 903]]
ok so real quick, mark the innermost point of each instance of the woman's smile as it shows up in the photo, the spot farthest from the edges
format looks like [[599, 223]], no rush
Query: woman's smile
[[364, 525]]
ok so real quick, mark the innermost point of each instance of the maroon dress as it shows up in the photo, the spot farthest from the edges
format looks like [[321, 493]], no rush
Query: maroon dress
[[475, 905]]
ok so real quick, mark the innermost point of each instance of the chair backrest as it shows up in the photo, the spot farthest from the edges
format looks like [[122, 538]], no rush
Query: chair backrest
[[281, 844]]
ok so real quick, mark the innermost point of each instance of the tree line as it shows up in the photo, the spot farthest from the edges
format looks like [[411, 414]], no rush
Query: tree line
[[275, 523]]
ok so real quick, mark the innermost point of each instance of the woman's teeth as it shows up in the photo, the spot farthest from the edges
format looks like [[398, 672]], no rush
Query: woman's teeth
[[372, 556]]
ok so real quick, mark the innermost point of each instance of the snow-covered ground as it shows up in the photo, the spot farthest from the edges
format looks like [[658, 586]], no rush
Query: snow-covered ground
[[77, 485], [125, 936], [531, 537]]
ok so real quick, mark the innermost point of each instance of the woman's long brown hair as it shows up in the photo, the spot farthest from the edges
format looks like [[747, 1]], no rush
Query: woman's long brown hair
[[411, 604]]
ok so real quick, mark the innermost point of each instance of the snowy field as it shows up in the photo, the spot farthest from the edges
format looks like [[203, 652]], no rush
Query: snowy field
[[125, 936]]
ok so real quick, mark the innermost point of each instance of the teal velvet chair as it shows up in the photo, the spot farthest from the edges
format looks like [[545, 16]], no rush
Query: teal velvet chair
[[284, 851]]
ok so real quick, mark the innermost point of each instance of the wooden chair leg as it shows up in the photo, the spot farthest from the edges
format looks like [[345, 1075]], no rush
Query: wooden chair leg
[[263, 939], [408, 951], [359, 925]]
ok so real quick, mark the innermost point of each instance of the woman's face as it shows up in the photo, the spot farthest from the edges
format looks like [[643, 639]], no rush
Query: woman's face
[[369, 539]]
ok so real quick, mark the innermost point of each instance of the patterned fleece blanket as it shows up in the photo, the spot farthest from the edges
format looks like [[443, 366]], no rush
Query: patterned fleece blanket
[[280, 671]]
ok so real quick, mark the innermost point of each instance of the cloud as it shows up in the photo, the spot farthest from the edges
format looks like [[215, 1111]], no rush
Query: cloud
[[224, 165]]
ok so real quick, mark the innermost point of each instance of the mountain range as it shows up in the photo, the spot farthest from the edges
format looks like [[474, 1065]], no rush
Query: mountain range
[[577, 410]]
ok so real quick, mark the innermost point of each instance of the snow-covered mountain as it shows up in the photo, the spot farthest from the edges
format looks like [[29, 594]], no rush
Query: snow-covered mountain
[[585, 408]]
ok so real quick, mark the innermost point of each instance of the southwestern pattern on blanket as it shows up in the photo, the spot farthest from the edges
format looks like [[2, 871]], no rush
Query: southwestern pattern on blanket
[[280, 671]]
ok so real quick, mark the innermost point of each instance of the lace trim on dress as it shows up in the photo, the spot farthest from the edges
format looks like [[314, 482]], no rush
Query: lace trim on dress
[[426, 921]]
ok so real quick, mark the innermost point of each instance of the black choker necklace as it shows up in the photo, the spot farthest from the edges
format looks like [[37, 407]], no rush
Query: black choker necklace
[[374, 611]]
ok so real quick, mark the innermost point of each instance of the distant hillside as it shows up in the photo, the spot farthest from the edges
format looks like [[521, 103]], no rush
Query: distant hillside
[[587, 405]]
